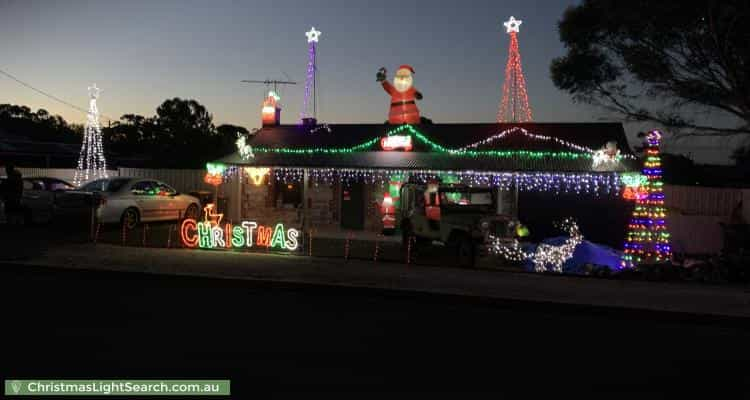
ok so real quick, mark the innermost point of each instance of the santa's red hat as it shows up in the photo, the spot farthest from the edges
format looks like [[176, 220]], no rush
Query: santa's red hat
[[407, 66]]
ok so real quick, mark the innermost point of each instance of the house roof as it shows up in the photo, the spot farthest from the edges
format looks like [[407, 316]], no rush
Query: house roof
[[31, 147], [561, 147]]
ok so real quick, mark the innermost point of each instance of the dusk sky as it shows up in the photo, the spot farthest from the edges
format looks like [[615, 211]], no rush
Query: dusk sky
[[142, 52]]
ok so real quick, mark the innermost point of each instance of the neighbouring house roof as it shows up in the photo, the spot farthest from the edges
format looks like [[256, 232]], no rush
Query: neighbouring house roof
[[559, 147], [16, 147], [38, 148]]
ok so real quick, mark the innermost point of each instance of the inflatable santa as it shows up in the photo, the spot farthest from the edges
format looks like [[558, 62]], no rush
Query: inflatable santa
[[403, 96]]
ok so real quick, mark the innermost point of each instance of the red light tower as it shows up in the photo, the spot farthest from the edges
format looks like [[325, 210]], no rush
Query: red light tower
[[514, 106]]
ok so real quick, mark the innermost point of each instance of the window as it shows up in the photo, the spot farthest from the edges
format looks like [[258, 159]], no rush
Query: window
[[94, 186], [467, 200], [143, 188], [35, 184], [287, 195], [55, 184], [164, 190], [116, 184]]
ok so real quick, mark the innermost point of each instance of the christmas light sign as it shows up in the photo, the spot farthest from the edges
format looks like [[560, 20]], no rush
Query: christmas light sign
[[257, 174], [396, 142], [211, 234], [214, 174]]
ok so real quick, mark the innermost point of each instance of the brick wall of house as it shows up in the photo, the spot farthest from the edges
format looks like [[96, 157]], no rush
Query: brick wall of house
[[258, 205], [324, 200], [323, 206]]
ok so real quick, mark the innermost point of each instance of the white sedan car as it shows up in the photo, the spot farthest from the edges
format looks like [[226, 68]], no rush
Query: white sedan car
[[132, 200]]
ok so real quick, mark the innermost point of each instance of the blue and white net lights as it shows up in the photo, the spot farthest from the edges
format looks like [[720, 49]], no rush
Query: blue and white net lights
[[573, 183]]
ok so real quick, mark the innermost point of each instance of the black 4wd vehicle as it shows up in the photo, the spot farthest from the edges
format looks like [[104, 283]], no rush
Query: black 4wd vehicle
[[462, 217]]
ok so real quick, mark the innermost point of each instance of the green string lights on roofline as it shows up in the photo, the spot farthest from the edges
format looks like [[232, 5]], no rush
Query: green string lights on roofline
[[317, 150], [432, 145], [487, 153]]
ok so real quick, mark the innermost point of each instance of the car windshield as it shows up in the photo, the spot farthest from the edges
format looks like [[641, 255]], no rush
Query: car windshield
[[465, 198]]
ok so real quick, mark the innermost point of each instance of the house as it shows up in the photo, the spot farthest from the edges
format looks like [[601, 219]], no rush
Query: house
[[335, 176]]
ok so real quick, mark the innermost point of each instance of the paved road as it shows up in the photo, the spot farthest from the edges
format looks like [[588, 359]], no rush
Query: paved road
[[284, 337]]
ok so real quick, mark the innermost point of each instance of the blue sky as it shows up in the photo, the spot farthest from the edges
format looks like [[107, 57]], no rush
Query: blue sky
[[142, 52]]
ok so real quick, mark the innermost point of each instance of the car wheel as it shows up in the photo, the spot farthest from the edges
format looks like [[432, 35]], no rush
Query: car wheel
[[192, 212], [465, 253], [130, 218]]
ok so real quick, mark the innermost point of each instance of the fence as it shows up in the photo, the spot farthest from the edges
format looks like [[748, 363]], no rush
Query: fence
[[67, 175], [696, 215], [183, 180], [694, 200]]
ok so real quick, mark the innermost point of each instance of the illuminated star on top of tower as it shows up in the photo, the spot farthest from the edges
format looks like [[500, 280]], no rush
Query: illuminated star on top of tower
[[512, 24], [313, 35], [94, 91]]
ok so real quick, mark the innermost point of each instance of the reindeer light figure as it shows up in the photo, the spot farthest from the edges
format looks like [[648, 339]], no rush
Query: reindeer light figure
[[547, 254], [245, 150]]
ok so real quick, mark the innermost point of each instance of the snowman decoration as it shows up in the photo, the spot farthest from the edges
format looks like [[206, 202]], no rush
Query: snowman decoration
[[403, 96]]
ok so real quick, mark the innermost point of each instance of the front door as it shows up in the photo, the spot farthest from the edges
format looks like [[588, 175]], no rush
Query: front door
[[352, 206]]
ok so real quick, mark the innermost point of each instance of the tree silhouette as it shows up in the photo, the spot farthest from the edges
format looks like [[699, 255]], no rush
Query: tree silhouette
[[660, 61], [39, 126], [181, 135]]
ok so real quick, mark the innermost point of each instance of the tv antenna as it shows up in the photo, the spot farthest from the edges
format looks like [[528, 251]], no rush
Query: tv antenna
[[269, 82]]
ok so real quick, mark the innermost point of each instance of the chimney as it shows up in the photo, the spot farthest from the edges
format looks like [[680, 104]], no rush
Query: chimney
[[271, 112]]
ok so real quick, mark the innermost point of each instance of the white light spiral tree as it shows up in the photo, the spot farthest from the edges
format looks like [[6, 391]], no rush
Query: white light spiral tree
[[91, 161]]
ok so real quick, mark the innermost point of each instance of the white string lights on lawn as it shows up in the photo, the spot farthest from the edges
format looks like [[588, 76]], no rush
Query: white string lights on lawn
[[510, 251]]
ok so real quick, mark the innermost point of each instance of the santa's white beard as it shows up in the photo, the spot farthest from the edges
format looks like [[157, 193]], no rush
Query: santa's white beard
[[402, 84]]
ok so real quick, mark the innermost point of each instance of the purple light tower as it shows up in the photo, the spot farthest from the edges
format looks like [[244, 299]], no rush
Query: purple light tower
[[305, 117]]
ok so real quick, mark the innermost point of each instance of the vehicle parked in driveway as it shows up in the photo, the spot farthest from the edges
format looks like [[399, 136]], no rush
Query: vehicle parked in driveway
[[46, 198], [129, 201], [464, 218]]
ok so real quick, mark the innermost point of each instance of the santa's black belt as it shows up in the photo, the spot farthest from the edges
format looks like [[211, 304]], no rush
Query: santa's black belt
[[403, 103]]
